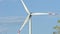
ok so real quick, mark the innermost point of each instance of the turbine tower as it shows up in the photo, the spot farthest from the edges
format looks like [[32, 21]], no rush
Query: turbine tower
[[28, 18]]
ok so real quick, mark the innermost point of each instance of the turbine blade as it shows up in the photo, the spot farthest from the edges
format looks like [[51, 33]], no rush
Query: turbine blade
[[25, 7], [26, 20], [39, 13], [48, 13]]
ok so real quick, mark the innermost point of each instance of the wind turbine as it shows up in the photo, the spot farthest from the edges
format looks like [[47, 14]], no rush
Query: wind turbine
[[28, 18]]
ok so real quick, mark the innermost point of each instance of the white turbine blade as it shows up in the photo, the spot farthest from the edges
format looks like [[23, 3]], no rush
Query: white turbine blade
[[30, 26], [25, 7], [50, 13], [44, 13], [26, 20], [39, 13]]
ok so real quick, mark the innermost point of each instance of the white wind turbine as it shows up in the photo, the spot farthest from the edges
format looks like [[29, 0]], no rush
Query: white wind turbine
[[28, 18]]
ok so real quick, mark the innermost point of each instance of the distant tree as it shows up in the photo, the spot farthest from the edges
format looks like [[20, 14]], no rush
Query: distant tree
[[57, 27], [54, 32], [58, 21]]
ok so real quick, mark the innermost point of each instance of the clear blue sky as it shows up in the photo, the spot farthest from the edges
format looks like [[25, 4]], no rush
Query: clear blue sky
[[12, 15]]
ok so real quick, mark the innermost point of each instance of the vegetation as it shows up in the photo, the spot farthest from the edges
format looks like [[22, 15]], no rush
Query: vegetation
[[58, 21], [57, 27]]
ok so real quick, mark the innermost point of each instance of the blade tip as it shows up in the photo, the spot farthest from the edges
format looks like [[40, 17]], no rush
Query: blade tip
[[51, 13]]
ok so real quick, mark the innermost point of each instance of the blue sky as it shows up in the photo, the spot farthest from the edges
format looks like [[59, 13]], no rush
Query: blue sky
[[12, 15]]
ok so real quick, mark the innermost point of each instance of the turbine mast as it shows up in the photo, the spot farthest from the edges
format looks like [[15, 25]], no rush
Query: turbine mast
[[30, 26]]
